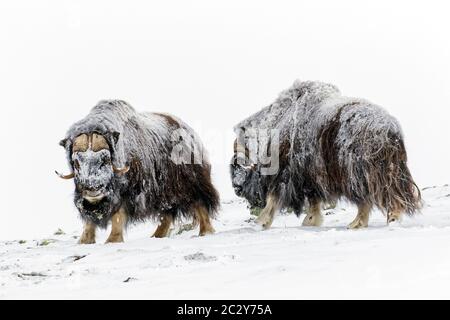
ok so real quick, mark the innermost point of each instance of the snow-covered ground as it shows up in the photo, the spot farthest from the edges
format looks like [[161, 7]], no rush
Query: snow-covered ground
[[408, 260]]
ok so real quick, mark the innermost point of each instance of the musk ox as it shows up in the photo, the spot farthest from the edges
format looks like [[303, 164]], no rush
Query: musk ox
[[131, 166], [313, 144]]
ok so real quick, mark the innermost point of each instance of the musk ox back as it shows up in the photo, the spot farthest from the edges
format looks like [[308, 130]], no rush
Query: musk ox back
[[131, 166], [326, 147]]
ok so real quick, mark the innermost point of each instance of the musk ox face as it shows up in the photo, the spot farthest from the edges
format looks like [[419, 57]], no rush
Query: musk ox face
[[247, 183], [240, 176], [96, 194], [93, 174]]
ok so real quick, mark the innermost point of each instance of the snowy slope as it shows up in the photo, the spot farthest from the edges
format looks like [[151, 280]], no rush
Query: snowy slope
[[411, 260]]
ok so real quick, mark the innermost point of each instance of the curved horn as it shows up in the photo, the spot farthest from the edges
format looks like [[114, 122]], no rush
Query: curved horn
[[121, 170], [239, 148], [65, 177]]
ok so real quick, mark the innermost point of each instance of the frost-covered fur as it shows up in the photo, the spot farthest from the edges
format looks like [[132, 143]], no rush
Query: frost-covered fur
[[154, 185], [331, 147]]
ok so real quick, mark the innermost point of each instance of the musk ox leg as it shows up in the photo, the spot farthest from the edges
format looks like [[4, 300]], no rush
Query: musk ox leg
[[267, 216], [394, 216], [164, 227], [202, 217], [118, 220], [314, 217], [88, 235], [362, 219]]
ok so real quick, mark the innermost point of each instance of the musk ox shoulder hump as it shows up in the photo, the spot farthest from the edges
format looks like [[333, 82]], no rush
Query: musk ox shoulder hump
[[107, 116], [302, 93]]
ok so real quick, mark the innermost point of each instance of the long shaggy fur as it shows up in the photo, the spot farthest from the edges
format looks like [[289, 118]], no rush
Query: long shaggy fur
[[331, 147], [154, 185]]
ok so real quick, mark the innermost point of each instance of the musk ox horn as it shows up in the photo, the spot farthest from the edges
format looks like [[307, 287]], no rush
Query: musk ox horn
[[65, 177], [121, 170]]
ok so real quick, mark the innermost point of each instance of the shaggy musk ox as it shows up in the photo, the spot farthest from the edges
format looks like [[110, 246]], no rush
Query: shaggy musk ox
[[131, 166], [325, 147]]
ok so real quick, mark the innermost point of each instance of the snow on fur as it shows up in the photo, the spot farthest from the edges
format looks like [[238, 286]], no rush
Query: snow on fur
[[156, 184], [331, 147]]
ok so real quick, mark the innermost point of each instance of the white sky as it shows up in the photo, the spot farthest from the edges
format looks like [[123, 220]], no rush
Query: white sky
[[212, 63]]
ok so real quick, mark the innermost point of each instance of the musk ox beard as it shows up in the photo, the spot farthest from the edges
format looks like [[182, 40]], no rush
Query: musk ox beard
[[325, 147], [131, 166]]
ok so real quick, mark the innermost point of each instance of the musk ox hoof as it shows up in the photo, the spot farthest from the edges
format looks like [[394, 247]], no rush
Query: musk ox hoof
[[394, 217], [86, 241], [313, 220], [161, 234], [392, 220], [206, 232], [87, 238], [264, 224], [114, 239], [358, 223]]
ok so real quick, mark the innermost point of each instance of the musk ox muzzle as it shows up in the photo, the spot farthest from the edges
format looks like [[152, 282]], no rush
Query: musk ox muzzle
[[93, 172]]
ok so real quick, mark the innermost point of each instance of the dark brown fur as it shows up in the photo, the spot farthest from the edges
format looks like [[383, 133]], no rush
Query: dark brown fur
[[331, 147]]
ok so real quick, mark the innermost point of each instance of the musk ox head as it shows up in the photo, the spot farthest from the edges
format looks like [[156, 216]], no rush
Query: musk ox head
[[247, 181], [96, 192], [241, 175]]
